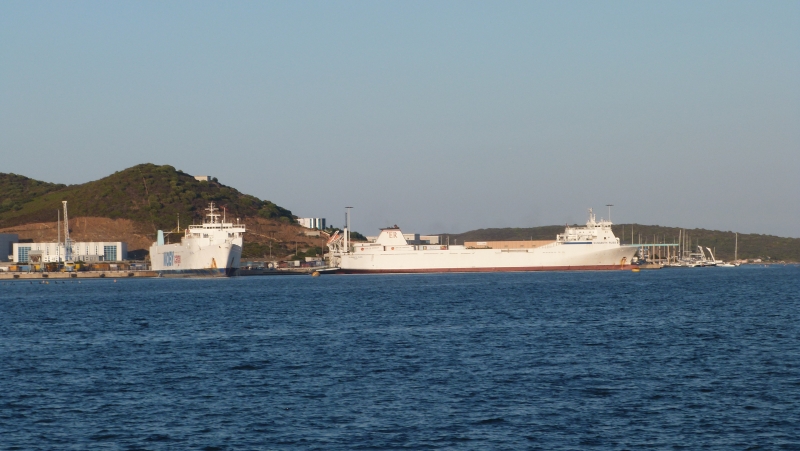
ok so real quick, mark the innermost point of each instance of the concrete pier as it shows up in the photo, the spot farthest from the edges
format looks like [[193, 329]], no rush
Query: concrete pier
[[74, 275]]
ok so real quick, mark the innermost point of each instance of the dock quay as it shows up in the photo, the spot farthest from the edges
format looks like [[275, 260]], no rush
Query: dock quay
[[287, 271], [75, 275]]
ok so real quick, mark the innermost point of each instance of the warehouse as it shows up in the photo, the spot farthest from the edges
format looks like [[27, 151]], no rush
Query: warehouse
[[85, 252]]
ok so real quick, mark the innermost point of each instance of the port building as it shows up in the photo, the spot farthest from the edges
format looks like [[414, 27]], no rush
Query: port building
[[312, 223], [81, 251]]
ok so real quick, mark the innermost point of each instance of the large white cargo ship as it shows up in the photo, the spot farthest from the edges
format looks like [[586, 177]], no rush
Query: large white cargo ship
[[593, 247], [213, 248]]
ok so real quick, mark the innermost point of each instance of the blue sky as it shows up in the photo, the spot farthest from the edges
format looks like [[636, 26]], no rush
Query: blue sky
[[436, 116]]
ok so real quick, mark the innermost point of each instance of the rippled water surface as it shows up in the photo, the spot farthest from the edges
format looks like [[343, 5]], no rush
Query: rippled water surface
[[678, 358]]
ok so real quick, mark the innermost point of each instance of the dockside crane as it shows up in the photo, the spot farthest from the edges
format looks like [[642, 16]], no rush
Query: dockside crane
[[67, 241]]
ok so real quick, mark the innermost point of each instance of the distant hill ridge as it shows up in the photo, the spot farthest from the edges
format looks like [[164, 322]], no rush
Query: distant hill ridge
[[145, 193], [751, 245]]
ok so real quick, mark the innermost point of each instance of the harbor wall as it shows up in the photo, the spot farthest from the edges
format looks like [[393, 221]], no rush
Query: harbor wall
[[72, 275]]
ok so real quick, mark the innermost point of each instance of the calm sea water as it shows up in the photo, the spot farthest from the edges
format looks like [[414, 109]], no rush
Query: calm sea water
[[671, 359]]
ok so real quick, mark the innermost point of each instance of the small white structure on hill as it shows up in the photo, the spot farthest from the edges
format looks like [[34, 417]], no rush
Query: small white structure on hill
[[312, 223], [202, 178]]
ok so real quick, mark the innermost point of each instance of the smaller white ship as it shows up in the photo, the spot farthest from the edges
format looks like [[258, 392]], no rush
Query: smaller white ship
[[213, 248]]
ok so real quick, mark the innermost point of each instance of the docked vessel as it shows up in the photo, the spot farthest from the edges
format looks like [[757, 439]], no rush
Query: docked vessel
[[593, 247], [213, 248]]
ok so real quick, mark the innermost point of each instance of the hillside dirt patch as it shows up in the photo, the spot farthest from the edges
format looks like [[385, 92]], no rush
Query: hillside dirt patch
[[87, 229]]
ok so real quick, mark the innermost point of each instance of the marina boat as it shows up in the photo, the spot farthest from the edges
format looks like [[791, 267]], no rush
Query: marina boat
[[709, 262], [593, 247], [213, 248], [735, 256], [697, 260]]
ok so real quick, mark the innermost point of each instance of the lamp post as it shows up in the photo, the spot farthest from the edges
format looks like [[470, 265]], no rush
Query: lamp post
[[347, 228], [609, 211], [271, 239]]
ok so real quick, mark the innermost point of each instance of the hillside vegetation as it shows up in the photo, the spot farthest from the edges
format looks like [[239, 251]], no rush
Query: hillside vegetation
[[146, 193], [751, 246], [17, 190]]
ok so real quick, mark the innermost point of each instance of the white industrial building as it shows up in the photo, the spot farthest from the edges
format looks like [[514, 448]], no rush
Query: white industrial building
[[85, 252], [312, 223]]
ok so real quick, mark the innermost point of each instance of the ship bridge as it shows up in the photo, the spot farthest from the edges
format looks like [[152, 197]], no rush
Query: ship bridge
[[594, 231], [213, 224]]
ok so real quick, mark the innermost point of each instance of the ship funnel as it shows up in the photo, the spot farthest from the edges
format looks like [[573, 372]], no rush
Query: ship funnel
[[160, 239]]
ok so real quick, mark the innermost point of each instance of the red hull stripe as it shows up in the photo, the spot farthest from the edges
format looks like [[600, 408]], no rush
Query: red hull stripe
[[514, 269]]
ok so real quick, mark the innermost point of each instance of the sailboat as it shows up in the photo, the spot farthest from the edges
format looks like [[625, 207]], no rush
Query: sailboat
[[735, 256]]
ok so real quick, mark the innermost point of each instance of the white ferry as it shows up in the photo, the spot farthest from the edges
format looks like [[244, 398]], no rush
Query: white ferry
[[213, 248], [593, 247]]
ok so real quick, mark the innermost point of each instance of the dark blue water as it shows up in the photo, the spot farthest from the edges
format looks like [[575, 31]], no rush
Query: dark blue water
[[671, 359]]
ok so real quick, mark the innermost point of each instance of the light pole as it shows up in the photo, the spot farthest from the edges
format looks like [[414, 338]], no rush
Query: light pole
[[347, 227], [271, 239], [609, 211]]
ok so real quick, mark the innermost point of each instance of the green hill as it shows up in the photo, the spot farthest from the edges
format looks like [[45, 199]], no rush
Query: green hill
[[146, 193], [751, 246], [17, 190]]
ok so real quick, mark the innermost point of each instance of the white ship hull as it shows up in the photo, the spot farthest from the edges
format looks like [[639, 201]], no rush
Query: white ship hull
[[211, 249], [593, 247], [552, 257], [210, 260]]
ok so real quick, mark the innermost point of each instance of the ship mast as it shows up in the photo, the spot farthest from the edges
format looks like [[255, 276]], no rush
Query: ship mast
[[212, 215]]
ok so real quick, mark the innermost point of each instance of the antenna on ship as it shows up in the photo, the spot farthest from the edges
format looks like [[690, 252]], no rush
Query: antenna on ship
[[211, 213]]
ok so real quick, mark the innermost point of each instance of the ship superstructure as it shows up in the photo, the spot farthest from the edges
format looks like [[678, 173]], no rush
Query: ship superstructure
[[213, 248], [593, 247]]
